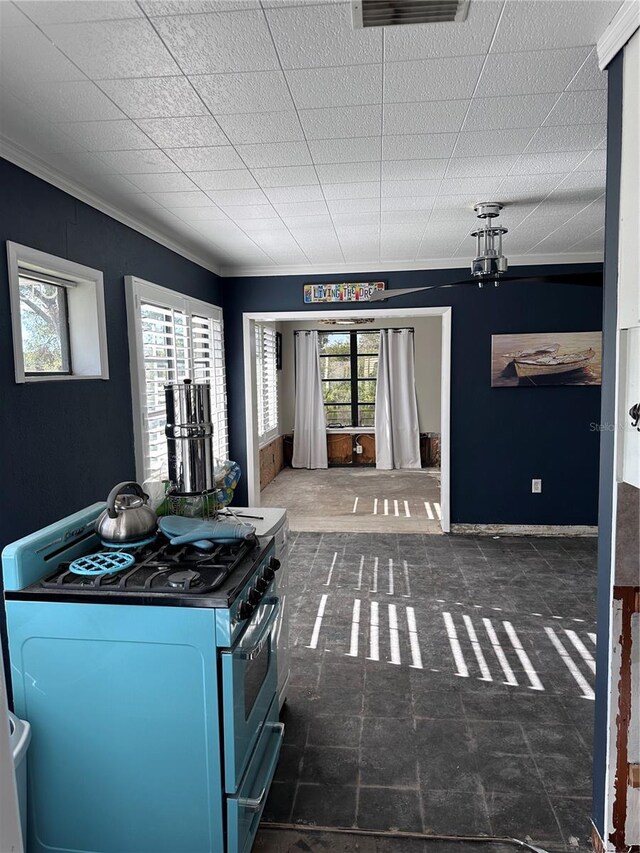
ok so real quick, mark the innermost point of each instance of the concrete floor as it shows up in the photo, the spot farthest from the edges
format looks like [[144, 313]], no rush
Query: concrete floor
[[440, 685], [358, 500]]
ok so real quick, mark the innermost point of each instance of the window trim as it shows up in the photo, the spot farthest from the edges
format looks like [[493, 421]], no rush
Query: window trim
[[138, 290], [86, 315]]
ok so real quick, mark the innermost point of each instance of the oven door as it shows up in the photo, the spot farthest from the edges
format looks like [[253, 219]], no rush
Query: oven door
[[249, 684]]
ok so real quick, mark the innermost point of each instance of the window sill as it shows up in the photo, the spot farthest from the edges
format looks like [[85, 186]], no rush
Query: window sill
[[61, 378], [353, 430]]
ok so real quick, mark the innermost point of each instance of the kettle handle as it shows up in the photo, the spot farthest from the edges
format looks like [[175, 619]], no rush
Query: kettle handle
[[119, 489]]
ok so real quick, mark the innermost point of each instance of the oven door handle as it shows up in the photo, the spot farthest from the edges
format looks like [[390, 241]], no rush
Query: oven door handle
[[254, 651], [254, 804]]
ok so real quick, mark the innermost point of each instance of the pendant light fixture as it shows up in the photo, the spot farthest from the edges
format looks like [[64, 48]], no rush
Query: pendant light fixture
[[489, 261]]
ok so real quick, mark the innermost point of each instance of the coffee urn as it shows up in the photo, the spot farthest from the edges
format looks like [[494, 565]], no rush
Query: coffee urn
[[189, 433]]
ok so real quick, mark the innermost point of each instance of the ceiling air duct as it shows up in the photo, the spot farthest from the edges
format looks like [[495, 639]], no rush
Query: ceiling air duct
[[393, 13]]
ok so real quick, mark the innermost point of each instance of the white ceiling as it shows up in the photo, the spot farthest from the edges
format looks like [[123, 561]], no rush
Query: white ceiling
[[269, 135]]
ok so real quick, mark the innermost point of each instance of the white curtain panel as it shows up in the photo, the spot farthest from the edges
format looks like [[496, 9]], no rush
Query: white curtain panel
[[310, 422], [397, 430]]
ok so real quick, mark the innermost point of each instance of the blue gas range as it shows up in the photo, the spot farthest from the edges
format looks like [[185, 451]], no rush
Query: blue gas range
[[151, 692]]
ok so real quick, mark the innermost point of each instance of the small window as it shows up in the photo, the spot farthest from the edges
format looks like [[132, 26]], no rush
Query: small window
[[349, 369], [57, 308]]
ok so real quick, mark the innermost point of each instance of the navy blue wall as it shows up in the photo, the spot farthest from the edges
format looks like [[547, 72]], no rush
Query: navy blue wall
[[64, 444], [605, 523], [500, 437]]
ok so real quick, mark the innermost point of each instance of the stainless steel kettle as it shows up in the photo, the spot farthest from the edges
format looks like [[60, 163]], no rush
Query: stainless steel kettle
[[128, 517]]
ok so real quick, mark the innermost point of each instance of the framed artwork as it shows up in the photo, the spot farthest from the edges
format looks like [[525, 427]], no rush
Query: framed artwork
[[548, 358], [349, 291]]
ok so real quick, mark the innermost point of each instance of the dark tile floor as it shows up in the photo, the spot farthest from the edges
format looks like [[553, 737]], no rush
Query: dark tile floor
[[440, 685]]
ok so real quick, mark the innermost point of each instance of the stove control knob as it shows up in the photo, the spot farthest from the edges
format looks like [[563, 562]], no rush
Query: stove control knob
[[268, 574], [245, 610], [274, 563], [254, 596], [261, 584]]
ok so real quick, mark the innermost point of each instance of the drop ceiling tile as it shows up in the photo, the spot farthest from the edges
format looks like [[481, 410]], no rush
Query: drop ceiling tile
[[205, 159], [219, 42], [439, 116], [301, 208], [79, 100], [275, 154], [354, 205], [163, 182], [579, 108], [582, 184], [286, 176], [401, 189], [179, 199], [479, 143], [205, 213], [426, 41], [137, 162], [66, 12], [358, 150], [576, 138], [108, 135], [414, 202], [370, 220], [523, 185], [224, 179], [589, 76], [348, 173], [154, 97], [364, 189], [539, 72], [115, 183], [411, 231], [551, 162], [11, 16], [80, 164], [596, 161], [108, 49], [336, 87], [342, 122], [470, 167], [405, 217], [309, 36], [593, 243], [251, 92], [315, 224], [561, 24], [450, 78], [194, 131], [261, 127], [27, 56], [465, 186], [226, 198], [510, 111], [251, 211], [409, 170], [277, 239], [155, 8], [424, 146], [254, 225], [279, 195]]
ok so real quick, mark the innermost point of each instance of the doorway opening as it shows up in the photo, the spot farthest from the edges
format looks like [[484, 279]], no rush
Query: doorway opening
[[351, 495]]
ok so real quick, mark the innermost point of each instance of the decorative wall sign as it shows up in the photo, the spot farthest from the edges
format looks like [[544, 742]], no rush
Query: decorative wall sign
[[350, 291], [551, 358]]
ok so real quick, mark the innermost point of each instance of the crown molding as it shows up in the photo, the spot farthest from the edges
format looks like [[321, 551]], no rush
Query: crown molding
[[398, 266], [35, 166], [618, 33]]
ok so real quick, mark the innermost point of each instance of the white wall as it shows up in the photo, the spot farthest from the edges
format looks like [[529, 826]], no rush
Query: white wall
[[428, 343]]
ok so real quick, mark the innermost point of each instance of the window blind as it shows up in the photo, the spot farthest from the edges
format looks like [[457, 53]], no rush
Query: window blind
[[177, 344], [267, 379]]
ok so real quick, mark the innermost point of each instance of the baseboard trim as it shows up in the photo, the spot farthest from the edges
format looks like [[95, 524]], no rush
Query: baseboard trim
[[525, 529]]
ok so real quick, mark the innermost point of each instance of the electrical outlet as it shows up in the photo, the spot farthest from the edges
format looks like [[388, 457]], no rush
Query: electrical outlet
[[536, 487], [358, 448]]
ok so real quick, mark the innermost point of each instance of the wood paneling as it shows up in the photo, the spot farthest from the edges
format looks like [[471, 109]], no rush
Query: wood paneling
[[339, 448], [368, 455], [271, 461]]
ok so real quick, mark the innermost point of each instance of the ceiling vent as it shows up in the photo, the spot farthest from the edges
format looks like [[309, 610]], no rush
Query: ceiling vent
[[394, 13]]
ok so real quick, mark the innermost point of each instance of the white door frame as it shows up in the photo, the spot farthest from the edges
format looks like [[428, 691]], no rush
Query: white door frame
[[251, 427]]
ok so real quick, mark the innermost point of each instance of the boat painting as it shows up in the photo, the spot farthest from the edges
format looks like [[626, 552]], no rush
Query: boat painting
[[555, 358]]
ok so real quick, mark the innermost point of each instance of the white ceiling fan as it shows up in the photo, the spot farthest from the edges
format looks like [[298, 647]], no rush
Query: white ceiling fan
[[489, 265]]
